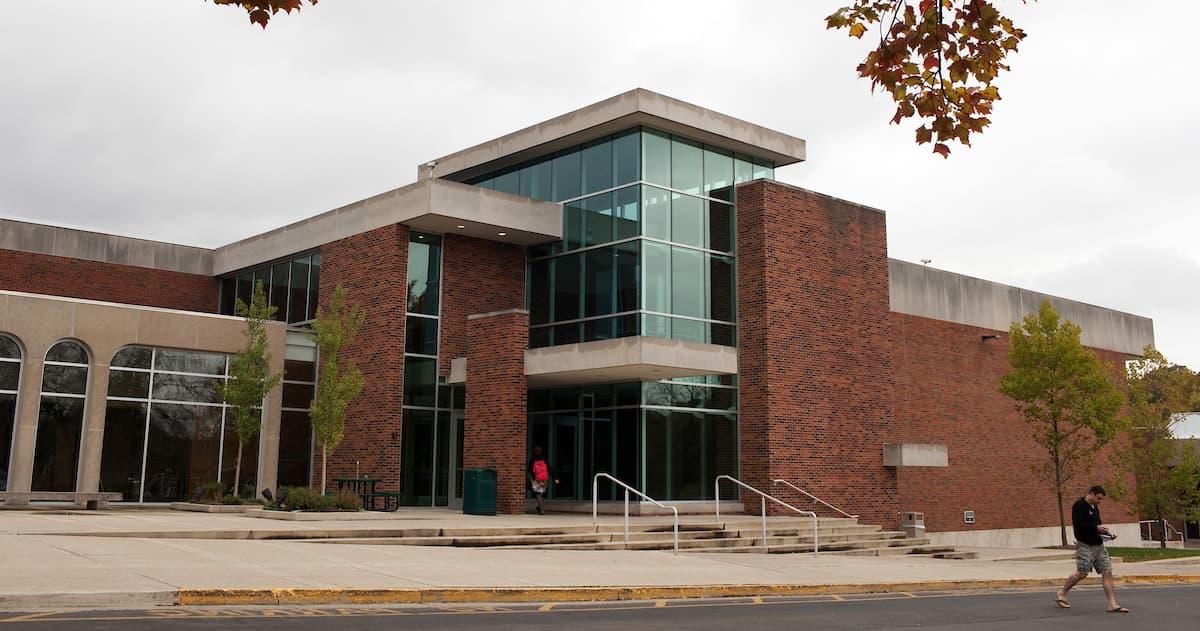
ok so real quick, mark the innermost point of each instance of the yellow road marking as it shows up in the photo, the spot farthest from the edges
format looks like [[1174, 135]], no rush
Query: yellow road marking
[[756, 600], [837, 597], [660, 603], [546, 607], [30, 616]]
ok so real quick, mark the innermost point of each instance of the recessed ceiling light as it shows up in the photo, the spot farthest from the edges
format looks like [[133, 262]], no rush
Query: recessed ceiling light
[[503, 234], [420, 236], [460, 226]]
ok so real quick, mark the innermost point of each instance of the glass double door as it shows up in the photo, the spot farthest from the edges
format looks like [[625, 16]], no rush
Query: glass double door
[[431, 452], [577, 447]]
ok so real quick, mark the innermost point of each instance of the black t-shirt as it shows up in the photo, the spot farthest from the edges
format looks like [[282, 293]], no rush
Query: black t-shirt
[[1084, 519]]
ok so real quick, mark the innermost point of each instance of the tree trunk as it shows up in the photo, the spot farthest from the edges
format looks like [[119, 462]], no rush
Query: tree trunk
[[237, 473], [324, 457], [1062, 520]]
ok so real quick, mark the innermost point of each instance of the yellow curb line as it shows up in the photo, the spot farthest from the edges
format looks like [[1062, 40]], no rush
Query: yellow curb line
[[226, 597]]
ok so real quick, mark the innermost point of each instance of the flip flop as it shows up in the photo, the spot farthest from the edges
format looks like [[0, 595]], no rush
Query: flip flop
[[1061, 602], [1118, 610]]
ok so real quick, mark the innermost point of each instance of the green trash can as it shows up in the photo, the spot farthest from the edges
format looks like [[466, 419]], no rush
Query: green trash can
[[479, 492]]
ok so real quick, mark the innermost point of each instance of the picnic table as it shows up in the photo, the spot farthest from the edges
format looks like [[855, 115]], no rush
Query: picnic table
[[364, 487]]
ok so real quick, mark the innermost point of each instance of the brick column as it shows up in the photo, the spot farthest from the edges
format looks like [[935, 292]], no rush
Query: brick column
[[814, 348], [494, 430], [372, 266]]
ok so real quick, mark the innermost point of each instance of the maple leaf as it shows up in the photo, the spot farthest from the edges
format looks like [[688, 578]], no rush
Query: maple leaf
[[937, 59]]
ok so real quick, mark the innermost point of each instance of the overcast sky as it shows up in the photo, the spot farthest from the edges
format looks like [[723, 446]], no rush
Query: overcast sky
[[177, 120]]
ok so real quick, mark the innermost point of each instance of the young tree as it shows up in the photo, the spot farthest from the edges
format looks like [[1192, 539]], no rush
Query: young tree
[[938, 59], [1167, 470], [1065, 393], [338, 382], [250, 377]]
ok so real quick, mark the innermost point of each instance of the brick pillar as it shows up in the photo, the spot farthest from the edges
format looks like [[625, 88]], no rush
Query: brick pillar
[[814, 349], [494, 430], [372, 266]]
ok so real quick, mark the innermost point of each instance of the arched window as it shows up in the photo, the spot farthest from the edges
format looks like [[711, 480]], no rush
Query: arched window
[[10, 377], [60, 417]]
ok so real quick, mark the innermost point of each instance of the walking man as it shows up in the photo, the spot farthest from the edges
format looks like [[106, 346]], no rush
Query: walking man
[[1090, 552]]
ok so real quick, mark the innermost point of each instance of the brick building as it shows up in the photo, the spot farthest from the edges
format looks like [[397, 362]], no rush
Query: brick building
[[625, 286]]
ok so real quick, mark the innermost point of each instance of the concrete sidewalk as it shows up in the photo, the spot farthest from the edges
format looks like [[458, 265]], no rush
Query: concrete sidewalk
[[46, 563]]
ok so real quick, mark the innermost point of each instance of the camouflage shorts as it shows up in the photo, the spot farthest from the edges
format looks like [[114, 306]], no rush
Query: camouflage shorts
[[1088, 557]]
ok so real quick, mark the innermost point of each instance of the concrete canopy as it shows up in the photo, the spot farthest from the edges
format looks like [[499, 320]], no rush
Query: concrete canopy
[[626, 359], [621, 112], [433, 205]]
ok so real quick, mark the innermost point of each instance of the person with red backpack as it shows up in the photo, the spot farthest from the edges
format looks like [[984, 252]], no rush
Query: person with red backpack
[[539, 478]]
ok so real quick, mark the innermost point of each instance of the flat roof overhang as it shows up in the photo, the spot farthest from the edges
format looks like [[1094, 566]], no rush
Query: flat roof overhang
[[429, 205], [626, 359], [621, 112]]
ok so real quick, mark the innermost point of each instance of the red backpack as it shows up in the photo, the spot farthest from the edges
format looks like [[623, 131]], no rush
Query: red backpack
[[541, 472]]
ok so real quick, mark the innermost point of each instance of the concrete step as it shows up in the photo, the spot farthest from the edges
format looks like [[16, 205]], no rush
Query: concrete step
[[956, 555], [901, 547]]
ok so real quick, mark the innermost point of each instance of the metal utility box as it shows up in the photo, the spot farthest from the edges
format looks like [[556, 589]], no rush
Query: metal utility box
[[913, 524]]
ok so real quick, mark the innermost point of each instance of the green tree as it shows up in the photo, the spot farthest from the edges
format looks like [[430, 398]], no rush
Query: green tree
[[250, 378], [338, 381], [1065, 393], [1167, 470], [938, 59]]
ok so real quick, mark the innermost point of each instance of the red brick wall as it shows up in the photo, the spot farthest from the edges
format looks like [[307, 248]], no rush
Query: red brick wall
[[478, 276], [373, 267], [814, 347], [111, 282], [494, 433], [947, 392]]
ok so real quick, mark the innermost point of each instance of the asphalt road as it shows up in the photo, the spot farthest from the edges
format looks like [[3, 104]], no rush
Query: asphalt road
[[1161, 608]]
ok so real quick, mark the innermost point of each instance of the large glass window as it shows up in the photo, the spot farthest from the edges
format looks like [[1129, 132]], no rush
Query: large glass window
[[295, 426], [597, 167], [424, 273], [166, 430], [60, 417], [10, 379], [290, 286], [682, 286], [670, 439]]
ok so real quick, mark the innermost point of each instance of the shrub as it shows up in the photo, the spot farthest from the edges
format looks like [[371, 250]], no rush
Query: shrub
[[306, 499], [231, 500], [347, 500], [211, 493]]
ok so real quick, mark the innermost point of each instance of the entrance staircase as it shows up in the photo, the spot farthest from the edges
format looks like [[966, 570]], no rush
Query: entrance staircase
[[735, 534]]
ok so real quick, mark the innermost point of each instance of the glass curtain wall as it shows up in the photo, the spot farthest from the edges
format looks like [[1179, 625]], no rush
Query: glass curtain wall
[[670, 439], [166, 429], [431, 438], [60, 417], [10, 379], [292, 286], [648, 240], [295, 425]]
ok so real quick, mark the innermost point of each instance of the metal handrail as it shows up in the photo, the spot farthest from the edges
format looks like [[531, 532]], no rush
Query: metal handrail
[[1165, 525], [814, 497], [763, 509], [628, 489]]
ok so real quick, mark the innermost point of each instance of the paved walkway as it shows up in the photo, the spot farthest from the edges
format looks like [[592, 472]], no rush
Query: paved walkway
[[45, 562]]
